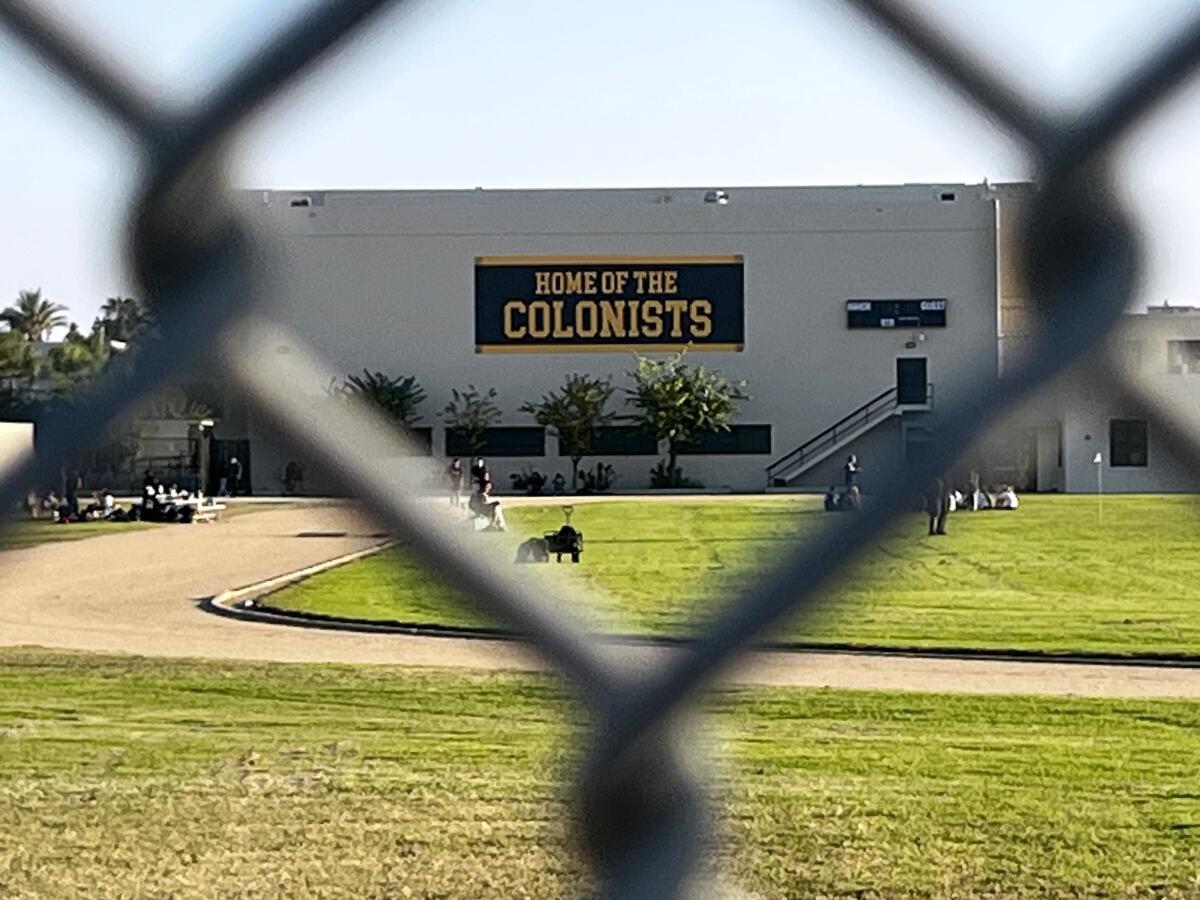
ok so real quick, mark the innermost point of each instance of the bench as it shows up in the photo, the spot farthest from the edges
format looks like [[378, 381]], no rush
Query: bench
[[207, 512]]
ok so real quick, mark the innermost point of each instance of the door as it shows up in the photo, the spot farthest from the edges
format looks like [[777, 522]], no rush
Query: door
[[911, 380], [221, 452]]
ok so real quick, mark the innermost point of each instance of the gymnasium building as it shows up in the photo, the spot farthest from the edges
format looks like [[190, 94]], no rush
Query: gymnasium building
[[853, 315]]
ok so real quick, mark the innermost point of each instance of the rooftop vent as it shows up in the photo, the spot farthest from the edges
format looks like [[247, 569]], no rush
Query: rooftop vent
[[947, 197], [300, 202], [721, 198]]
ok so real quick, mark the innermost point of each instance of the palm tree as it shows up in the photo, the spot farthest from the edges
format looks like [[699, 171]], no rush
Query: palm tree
[[34, 316], [123, 318]]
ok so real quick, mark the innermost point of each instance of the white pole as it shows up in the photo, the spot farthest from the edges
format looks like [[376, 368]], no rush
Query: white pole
[[1098, 459]]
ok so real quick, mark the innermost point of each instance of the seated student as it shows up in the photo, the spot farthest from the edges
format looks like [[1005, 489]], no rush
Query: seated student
[[1007, 498], [832, 499], [151, 508], [93, 509], [485, 507], [957, 500], [980, 500], [853, 499]]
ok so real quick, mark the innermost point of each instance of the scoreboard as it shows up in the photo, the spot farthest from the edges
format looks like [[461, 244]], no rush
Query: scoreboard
[[928, 313]]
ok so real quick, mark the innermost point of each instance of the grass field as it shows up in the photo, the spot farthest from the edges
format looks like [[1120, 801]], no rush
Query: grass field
[[1047, 577], [127, 777], [18, 533]]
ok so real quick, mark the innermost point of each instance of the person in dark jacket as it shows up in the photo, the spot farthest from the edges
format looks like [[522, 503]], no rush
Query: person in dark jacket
[[233, 474], [454, 475], [480, 474], [937, 505], [852, 470]]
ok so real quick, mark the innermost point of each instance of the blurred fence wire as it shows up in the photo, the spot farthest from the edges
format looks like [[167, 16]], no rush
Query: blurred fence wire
[[642, 814]]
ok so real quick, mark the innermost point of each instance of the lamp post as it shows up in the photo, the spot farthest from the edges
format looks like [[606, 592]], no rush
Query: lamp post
[[1098, 460]]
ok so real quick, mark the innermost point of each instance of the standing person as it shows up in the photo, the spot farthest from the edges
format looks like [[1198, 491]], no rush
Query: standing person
[[852, 469], [234, 474], [479, 473], [454, 474], [293, 475], [74, 483], [937, 505]]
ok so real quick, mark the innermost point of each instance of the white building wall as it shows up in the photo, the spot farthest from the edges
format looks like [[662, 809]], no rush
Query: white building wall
[[1086, 405], [16, 440], [385, 280]]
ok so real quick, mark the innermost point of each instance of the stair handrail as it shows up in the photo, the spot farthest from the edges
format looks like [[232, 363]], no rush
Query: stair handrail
[[865, 412]]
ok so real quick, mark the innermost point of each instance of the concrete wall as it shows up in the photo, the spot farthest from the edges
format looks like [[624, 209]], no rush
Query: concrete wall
[[16, 439], [385, 280], [1086, 405]]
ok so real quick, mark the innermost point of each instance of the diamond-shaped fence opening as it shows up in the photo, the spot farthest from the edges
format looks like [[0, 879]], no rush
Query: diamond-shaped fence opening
[[200, 263]]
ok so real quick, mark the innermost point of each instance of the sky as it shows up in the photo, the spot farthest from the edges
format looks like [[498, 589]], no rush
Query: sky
[[548, 93]]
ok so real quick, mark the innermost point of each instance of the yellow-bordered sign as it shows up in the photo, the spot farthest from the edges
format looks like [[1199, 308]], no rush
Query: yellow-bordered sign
[[526, 304]]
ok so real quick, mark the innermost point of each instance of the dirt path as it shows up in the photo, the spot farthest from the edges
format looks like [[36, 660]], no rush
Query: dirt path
[[138, 592]]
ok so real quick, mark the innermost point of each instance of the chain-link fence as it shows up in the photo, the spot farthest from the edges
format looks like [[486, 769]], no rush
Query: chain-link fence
[[202, 267]]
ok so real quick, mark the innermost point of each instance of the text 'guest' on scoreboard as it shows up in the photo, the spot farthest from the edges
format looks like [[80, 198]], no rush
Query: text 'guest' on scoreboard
[[562, 304]]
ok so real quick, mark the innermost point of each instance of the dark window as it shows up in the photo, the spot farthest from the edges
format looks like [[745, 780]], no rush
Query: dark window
[[423, 438], [739, 439], [1127, 442], [621, 440], [503, 441], [1183, 357]]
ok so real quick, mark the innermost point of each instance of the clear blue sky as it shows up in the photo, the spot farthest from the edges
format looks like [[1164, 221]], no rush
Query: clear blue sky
[[551, 93]]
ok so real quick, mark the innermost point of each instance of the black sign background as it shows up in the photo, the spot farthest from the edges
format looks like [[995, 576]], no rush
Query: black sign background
[[927, 313], [500, 281]]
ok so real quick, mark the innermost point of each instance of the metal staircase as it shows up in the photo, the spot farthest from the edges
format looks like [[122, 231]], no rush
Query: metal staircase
[[849, 428]]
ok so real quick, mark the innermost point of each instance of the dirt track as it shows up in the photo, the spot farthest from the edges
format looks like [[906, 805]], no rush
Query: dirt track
[[137, 592]]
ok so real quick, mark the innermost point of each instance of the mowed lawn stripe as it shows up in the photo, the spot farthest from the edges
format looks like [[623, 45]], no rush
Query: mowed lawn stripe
[[124, 776], [1050, 576]]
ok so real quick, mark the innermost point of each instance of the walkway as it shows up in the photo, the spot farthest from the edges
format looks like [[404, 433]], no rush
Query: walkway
[[138, 592]]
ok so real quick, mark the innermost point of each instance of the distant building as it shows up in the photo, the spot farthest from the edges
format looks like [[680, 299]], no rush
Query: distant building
[[854, 315]]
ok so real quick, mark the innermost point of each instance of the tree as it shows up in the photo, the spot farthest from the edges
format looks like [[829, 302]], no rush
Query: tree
[[471, 413], [574, 414], [34, 316], [397, 398], [678, 404], [18, 368], [123, 319], [79, 358], [18, 358]]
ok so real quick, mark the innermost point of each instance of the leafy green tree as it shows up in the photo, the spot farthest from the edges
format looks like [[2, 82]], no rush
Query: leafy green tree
[[575, 414], [398, 398], [18, 358], [18, 368], [79, 359], [34, 316], [679, 404], [471, 413], [124, 319]]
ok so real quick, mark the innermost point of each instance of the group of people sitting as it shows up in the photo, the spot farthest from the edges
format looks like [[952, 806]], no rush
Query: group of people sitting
[[975, 498], [483, 506], [159, 504], [173, 504], [68, 509]]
